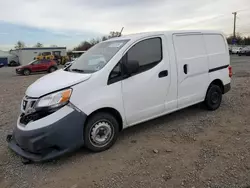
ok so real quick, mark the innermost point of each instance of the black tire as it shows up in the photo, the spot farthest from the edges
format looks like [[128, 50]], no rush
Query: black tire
[[213, 97], [52, 69], [94, 125], [26, 72], [12, 63]]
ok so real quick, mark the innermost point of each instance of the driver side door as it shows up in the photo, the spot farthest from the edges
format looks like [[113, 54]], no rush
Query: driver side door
[[144, 93]]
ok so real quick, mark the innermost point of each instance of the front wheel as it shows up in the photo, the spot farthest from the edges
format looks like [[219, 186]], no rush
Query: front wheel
[[101, 132], [26, 72], [213, 97]]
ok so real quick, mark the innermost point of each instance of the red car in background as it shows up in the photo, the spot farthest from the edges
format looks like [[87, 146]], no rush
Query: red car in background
[[37, 66]]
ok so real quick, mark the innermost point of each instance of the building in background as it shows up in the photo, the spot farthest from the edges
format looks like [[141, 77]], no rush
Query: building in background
[[26, 55]]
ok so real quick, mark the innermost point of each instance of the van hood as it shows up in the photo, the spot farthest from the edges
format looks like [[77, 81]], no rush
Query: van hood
[[55, 81]]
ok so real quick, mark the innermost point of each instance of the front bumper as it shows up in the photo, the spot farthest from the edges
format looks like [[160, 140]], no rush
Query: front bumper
[[55, 139], [227, 88]]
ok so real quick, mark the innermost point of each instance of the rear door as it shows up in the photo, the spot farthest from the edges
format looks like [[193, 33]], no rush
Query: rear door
[[144, 93], [35, 66], [192, 63], [44, 65]]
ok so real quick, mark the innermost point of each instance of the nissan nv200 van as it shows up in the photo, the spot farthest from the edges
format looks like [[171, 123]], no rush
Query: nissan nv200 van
[[119, 83]]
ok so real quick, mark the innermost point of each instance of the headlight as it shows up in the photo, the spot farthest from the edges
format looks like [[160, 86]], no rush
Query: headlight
[[54, 100]]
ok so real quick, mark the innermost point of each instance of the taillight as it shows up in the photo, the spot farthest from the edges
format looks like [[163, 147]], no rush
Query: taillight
[[230, 71]]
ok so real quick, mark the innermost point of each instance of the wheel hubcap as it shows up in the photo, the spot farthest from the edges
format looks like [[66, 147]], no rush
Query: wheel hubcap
[[215, 97], [101, 133]]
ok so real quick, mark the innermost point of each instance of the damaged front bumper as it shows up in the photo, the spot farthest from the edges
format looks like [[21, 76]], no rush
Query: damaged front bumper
[[49, 137]]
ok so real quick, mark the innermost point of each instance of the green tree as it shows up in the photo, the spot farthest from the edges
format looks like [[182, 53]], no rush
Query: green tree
[[19, 45], [114, 34], [239, 40], [104, 38], [85, 45], [38, 45], [94, 41]]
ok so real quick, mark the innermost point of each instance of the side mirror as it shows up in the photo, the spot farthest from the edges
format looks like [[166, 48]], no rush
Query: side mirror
[[131, 67]]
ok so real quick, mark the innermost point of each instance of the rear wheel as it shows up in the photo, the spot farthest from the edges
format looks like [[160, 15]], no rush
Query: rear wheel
[[101, 132], [213, 97], [52, 69], [26, 72]]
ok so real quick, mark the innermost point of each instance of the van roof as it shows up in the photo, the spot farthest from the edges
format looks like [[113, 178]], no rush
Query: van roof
[[147, 34]]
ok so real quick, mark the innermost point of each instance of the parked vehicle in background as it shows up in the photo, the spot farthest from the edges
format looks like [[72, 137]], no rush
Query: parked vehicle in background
[[69, 63], [119, 83], [37, 66], [244, 51], [53, 55], [26, 55], [14, 61], [236, 50], [8, 59], [75, 54], [230, 50]]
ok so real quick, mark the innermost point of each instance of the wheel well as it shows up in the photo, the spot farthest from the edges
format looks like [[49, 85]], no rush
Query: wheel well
[[12, 61], [112, 111], [27, 69], [218, 83]]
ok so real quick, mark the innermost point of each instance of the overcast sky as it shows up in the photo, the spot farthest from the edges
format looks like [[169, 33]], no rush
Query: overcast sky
[[68, 22]]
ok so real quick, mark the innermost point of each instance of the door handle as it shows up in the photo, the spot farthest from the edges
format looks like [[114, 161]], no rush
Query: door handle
[[163, 73], [185, 67]]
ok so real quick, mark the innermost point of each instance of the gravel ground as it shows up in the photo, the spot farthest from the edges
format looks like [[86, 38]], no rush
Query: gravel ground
[[189, 148]]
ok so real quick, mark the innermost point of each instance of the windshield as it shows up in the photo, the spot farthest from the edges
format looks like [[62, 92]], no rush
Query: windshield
[[32, 62], [97, 56]]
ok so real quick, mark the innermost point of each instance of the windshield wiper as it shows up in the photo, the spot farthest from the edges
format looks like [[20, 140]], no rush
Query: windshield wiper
[[77, 70]]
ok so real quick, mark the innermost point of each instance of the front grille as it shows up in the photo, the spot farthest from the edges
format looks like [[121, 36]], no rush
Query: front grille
[[26, 118]]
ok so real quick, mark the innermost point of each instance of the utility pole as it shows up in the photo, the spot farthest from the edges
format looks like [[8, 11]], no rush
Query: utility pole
[[234, 34]]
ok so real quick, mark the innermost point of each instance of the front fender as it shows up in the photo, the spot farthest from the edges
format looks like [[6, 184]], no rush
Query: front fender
[[89, 99]]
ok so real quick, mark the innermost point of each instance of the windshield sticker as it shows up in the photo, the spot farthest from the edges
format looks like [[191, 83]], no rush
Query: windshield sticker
[[116, 45]]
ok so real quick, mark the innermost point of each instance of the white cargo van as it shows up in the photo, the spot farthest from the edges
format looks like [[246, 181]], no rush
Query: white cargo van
[[134, 79]]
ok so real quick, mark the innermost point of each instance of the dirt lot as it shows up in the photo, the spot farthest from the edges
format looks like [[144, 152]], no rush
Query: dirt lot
[[189, 148]]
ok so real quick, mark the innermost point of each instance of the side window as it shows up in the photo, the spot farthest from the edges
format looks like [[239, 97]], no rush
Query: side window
[[36, 62], [46, 53], [115, 75], [148, 53], [44, 61], [189, 46], [56, 53]]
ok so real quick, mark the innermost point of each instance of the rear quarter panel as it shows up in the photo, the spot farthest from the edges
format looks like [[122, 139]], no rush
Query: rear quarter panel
[[218, 56]]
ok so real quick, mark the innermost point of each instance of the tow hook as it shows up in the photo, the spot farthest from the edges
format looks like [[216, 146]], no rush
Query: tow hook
[[9, 137]]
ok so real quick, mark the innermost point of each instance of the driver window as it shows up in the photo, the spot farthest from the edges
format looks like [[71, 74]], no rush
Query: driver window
[[148, 53], [36, 63]]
